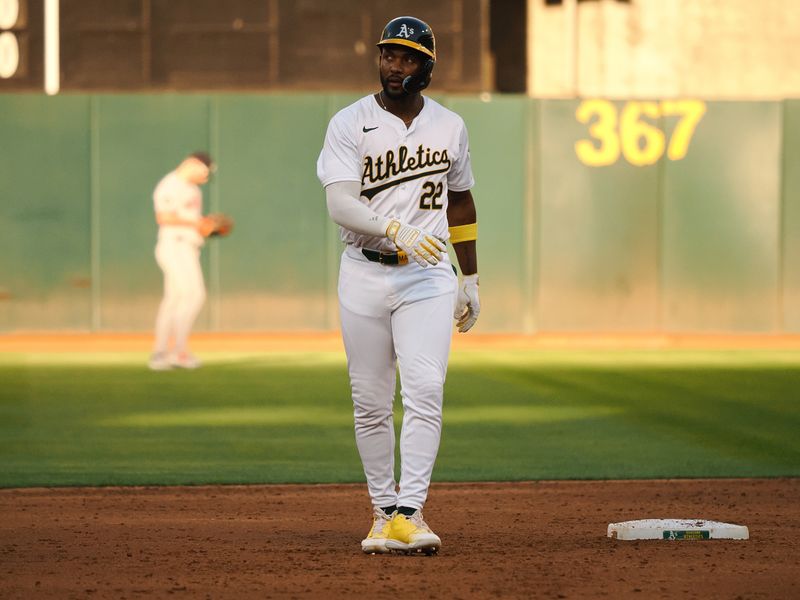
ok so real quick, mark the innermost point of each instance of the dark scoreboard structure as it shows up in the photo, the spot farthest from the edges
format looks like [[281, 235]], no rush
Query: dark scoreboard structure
[[161, 45], [21, 45]]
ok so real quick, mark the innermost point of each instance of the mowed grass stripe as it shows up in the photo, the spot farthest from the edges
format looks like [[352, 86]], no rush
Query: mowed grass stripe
[[248, 418]]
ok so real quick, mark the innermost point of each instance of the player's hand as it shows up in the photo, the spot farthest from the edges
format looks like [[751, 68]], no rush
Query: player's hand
[[420, 245], [221, 224], [205, 226], [468, 304]]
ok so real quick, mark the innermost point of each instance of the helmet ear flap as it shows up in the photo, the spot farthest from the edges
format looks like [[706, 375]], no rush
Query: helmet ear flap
[[418, 82]]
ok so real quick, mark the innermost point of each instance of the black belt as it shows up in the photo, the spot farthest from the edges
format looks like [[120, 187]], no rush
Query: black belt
[[391, 258], [386, 258]]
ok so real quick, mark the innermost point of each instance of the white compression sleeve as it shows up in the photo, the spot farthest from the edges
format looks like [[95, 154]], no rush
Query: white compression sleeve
[[347, 210]]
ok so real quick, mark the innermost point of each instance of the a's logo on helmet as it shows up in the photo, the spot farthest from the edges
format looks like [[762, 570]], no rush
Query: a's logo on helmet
[[405, 31]]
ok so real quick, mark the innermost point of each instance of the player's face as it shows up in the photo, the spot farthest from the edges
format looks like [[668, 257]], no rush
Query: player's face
[[199, 172], [396, 63]]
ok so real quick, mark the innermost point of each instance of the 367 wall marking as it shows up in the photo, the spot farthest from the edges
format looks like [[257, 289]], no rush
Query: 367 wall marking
[[632, 133]]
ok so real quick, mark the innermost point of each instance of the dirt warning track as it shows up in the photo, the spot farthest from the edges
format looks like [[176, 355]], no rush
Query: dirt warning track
[[331, 341]]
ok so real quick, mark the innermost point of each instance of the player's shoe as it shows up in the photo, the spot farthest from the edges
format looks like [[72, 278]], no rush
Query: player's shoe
[[375, 542], [411, 534], [159, 361], [184, 360]]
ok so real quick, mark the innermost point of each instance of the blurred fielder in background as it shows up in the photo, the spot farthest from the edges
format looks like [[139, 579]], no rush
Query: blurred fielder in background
[[182, 231], [396, 170]]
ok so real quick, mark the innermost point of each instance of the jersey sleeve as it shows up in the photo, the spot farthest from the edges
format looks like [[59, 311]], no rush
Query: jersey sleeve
[[339, 159], [163, 199], [459, 177]]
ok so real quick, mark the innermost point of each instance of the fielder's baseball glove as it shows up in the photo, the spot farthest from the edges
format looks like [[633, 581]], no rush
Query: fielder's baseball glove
[[219, 224]]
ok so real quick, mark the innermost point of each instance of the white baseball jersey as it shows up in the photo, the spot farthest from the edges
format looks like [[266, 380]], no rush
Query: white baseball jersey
[[405, 172], [173, 194]]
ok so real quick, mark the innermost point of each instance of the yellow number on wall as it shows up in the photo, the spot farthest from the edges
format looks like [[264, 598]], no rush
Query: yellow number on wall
[[633, 130], [604, 130], [691, 111], [642, 142]]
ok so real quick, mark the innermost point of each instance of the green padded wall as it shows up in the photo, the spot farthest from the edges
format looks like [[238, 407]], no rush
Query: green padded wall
[[790, 299], [708, 242], [721, 223], [45, 270], [598, 234], [498, 153], [274, 269]]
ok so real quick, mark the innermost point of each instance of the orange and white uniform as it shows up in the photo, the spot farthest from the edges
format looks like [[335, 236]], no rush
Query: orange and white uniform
[[178, 255]]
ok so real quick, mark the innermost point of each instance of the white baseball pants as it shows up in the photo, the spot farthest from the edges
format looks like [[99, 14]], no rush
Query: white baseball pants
[[184, 292], [396, 316]]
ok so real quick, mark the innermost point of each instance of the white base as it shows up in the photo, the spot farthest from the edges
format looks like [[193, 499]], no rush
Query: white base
[[677, 529]]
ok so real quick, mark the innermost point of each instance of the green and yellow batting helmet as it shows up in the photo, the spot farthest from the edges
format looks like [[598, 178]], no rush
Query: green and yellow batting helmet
[[410, 32], [415, 34]]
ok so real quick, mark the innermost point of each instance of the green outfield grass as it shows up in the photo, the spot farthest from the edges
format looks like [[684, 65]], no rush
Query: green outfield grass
[[265, 418]]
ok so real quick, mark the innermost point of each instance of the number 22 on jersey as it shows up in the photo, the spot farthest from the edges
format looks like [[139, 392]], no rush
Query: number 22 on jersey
[[431, 194]]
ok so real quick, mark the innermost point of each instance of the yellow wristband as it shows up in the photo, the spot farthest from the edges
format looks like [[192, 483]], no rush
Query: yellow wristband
[[463, 233]]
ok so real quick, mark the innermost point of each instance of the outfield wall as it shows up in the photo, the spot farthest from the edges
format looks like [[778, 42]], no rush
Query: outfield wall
[[594, 215]]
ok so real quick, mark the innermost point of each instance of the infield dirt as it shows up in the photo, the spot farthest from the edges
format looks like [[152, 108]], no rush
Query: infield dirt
[[506, 540]]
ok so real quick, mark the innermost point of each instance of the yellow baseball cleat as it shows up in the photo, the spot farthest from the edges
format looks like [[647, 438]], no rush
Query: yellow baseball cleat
[[411, 534], [375, 542]]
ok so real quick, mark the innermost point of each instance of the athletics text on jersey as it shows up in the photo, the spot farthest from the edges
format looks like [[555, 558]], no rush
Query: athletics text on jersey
[[404, 172]]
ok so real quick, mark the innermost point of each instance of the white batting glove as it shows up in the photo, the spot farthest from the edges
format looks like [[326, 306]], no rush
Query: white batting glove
[[417, 243], [468, 305]]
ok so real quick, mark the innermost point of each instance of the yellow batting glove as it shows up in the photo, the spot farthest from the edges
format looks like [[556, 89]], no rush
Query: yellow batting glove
[[417, 243]]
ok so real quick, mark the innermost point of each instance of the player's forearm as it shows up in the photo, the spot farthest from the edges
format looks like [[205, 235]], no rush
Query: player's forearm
[[165, 218], [467, 255], [348, 211], [462, 219]]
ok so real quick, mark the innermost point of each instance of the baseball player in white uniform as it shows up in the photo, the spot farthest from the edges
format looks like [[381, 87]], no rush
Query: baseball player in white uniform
[[396, 171], [178, 203]]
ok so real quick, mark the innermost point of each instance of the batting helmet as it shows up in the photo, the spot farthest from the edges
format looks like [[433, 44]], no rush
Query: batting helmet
[[417, 35]]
